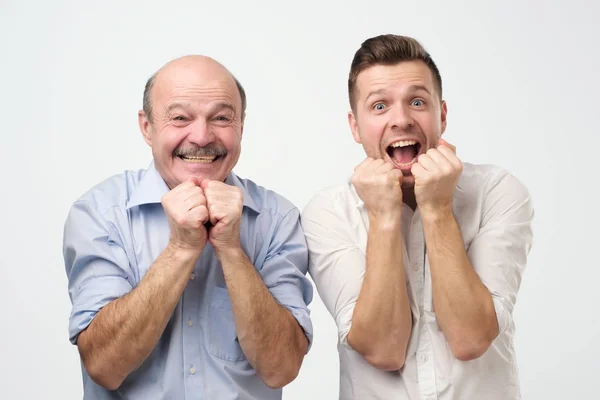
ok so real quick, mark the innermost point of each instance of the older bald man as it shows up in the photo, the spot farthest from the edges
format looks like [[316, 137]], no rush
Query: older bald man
[[187, 281]]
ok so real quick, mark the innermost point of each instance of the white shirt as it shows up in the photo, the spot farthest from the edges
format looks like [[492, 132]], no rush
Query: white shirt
[[494, 212]]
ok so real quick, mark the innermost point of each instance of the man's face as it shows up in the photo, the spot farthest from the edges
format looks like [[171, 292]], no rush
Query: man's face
[[398, 114], [197, 122]]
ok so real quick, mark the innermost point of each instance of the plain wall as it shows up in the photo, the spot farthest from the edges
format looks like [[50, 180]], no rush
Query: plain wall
[[521, 82]]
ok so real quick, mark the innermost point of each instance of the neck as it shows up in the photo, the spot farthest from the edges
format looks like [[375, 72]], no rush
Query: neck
[[408, 197]]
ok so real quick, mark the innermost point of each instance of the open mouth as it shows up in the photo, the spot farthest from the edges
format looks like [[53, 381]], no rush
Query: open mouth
[[199, 159], [404, 152]]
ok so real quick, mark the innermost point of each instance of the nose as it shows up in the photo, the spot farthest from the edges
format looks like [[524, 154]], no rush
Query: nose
[[200, 133], [402, 118]]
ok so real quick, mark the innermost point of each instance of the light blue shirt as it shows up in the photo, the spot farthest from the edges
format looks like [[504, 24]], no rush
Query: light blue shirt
[[115, 232]]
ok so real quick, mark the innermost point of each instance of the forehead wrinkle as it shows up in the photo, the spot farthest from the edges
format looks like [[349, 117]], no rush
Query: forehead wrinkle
[[190, 97], [387, 77]]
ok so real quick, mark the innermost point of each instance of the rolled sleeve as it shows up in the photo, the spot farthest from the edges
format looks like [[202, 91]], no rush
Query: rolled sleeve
[[284, 271], [499, 251], [96, 265], [336, 263]]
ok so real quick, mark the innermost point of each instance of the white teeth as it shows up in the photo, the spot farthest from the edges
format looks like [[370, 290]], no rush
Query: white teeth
[[403, 143]]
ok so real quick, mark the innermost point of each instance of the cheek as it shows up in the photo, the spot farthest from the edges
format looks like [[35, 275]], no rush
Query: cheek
[[231, 140], [168, 140], [372, 130], [431, 128]]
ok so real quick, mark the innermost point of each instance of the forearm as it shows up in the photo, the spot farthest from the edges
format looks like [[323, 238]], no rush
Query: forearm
[[463, 305], [269, 335], [381, 322], [125, 332]]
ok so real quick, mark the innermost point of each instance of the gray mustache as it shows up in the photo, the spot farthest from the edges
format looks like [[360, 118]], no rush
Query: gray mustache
[[209, 150]]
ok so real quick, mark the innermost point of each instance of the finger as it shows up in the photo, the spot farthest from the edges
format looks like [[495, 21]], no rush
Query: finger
[[426, 162], [374, 165], [417, 171], [227, 192], [199, 214], [442, 142], [397, 174], [383, 168], [210, 184], [450, 156], [183, 186], [363, 163], [216, 212], [195, 201], [440, 160], [230, 201], [188, 192]]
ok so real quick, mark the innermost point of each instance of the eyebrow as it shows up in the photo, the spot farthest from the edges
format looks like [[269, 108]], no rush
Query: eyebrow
[[413, 88], [215, 108], [173, 106], [223, 106]]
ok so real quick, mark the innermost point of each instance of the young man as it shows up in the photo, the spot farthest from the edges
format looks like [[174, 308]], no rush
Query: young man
[[419, 257], [187, 281]]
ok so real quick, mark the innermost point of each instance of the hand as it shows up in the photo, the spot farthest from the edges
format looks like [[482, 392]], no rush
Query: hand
[[225, 204], [185, 206], [436, 174], [378, 185]]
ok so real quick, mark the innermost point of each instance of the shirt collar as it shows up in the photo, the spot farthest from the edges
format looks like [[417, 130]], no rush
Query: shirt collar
[[233, 180], [151, 188]]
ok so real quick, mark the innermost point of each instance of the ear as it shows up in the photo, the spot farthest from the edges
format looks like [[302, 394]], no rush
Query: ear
[[242, 124], [353, 126], [145, 127], [443, 116]]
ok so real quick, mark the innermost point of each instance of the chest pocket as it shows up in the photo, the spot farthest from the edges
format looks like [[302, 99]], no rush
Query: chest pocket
[[223, 341]]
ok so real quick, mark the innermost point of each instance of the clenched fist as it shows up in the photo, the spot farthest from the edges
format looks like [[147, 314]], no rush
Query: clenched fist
[[436, 174], [185, 207], [224, 203], [378, 184]]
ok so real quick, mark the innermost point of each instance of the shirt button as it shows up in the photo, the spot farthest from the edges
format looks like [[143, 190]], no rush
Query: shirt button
[[424, 357], [192, 370], [190, 323], [193, 276], [415, 267]]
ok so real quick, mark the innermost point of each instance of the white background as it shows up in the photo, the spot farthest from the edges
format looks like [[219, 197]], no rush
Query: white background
[[520, 78]]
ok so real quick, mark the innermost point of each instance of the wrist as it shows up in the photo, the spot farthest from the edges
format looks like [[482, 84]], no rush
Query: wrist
[[436, 214], [385, 222], [183, 251], [229, 253]]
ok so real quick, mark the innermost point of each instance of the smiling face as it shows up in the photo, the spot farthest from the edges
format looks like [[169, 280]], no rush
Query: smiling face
[[398, 114], [196, 125]]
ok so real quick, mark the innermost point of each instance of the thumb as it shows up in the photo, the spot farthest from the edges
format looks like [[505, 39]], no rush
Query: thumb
[[195, 181], [444, 143], [398, 175]]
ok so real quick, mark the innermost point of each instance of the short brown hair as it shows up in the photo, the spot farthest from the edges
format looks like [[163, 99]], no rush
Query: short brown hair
[[389, 50]]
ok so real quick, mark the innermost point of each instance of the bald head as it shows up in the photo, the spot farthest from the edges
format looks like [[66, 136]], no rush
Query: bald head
[[198, 66]]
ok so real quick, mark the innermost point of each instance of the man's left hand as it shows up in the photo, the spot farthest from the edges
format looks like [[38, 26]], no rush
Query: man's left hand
[[224, 203], [436, 174]]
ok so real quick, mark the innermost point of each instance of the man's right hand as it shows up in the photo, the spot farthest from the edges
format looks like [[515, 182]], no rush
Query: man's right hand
[[378, 185], [185, 206]]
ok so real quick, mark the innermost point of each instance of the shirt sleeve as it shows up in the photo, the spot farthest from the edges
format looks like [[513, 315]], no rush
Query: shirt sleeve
[[336, 263], [499, 251], [284, 271], [97, 266]]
